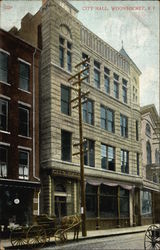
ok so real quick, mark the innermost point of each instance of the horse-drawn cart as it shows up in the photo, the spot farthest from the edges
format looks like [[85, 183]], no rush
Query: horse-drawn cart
[[152, 237], [44, 229]]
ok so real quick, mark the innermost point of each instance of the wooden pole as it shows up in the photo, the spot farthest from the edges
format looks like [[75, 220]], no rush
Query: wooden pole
[[83, 203]]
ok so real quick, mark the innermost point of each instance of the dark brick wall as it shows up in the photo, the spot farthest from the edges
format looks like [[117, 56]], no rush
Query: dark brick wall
[[19, 49]]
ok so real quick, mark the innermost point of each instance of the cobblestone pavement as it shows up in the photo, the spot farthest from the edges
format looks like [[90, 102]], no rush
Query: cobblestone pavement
[[125, 242]]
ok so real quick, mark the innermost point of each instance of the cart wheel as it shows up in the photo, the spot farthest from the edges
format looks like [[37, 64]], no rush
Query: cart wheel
[[60, 236], [150, 239], [18, 236], [36, 235]]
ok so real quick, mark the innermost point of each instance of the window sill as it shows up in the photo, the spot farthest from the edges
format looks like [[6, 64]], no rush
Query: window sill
[[5, 83], [20, 178], [25, 137], [5, 132], [25, 91]]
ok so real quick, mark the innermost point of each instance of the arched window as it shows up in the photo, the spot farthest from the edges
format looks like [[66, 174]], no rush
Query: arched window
[[148, 130], [149, 154]]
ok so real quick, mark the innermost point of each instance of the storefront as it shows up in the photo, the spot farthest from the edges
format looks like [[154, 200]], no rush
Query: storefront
[[18, 202], [108, 205]]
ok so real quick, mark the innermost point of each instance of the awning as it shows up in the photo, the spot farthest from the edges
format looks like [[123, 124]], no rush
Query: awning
[[19, 183], [108, 183]]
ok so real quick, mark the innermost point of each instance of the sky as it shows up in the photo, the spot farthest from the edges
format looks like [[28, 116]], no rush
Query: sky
[[113, 21]]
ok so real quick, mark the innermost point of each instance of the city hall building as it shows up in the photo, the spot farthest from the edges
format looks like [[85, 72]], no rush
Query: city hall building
[[111, 121]]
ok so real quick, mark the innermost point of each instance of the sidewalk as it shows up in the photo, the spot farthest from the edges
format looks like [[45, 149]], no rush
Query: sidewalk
[[93, 234]]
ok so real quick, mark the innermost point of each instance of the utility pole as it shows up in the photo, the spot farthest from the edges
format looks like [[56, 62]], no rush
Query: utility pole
[[76, 81]]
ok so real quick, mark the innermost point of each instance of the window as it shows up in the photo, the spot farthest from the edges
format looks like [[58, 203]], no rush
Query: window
[[61, 51], [3, 67], [86, 72], [146, 202], [108, 201], [3, 161], [69, 57], [65, 58], [124, 90], [137, 160], [137, 132], [107, 119], [91, 200], [124, 202], [89, 153], [23, 121], [23, 165], [97, 74], [88, 113], [106, 80], [3, 115], [149, 154], [107, 157], [24, 76], [65, 100], [116, 86], [148, 130], [65, 145], [157, 158], [124, 125], [124, 161]]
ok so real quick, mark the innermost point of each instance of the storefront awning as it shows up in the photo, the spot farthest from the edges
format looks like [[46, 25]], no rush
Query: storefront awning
[[19, 183], [108, 183]]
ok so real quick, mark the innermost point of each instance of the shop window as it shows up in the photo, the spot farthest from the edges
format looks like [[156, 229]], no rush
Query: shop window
[[3, 115], [91, 200], [65, 100], [3, 67], [65, 146], [108, 201], [149, 153], [88, 113], [23, 121], [124, 161], [146, 201], [124, 203], [3, 161], [23, 165], [124, 125], [107, 157], [107, 119], [24, 76], [89, 154]]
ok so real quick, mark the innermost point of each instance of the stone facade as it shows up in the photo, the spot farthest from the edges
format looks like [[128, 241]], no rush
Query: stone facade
[[61, 179], [150, 162], [58, 22]]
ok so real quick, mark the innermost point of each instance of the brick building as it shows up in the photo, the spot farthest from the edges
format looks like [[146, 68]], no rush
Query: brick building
[[111, 121], [19, 130]]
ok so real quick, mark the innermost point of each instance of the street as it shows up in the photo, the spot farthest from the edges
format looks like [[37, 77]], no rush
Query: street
[[126, 242]]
